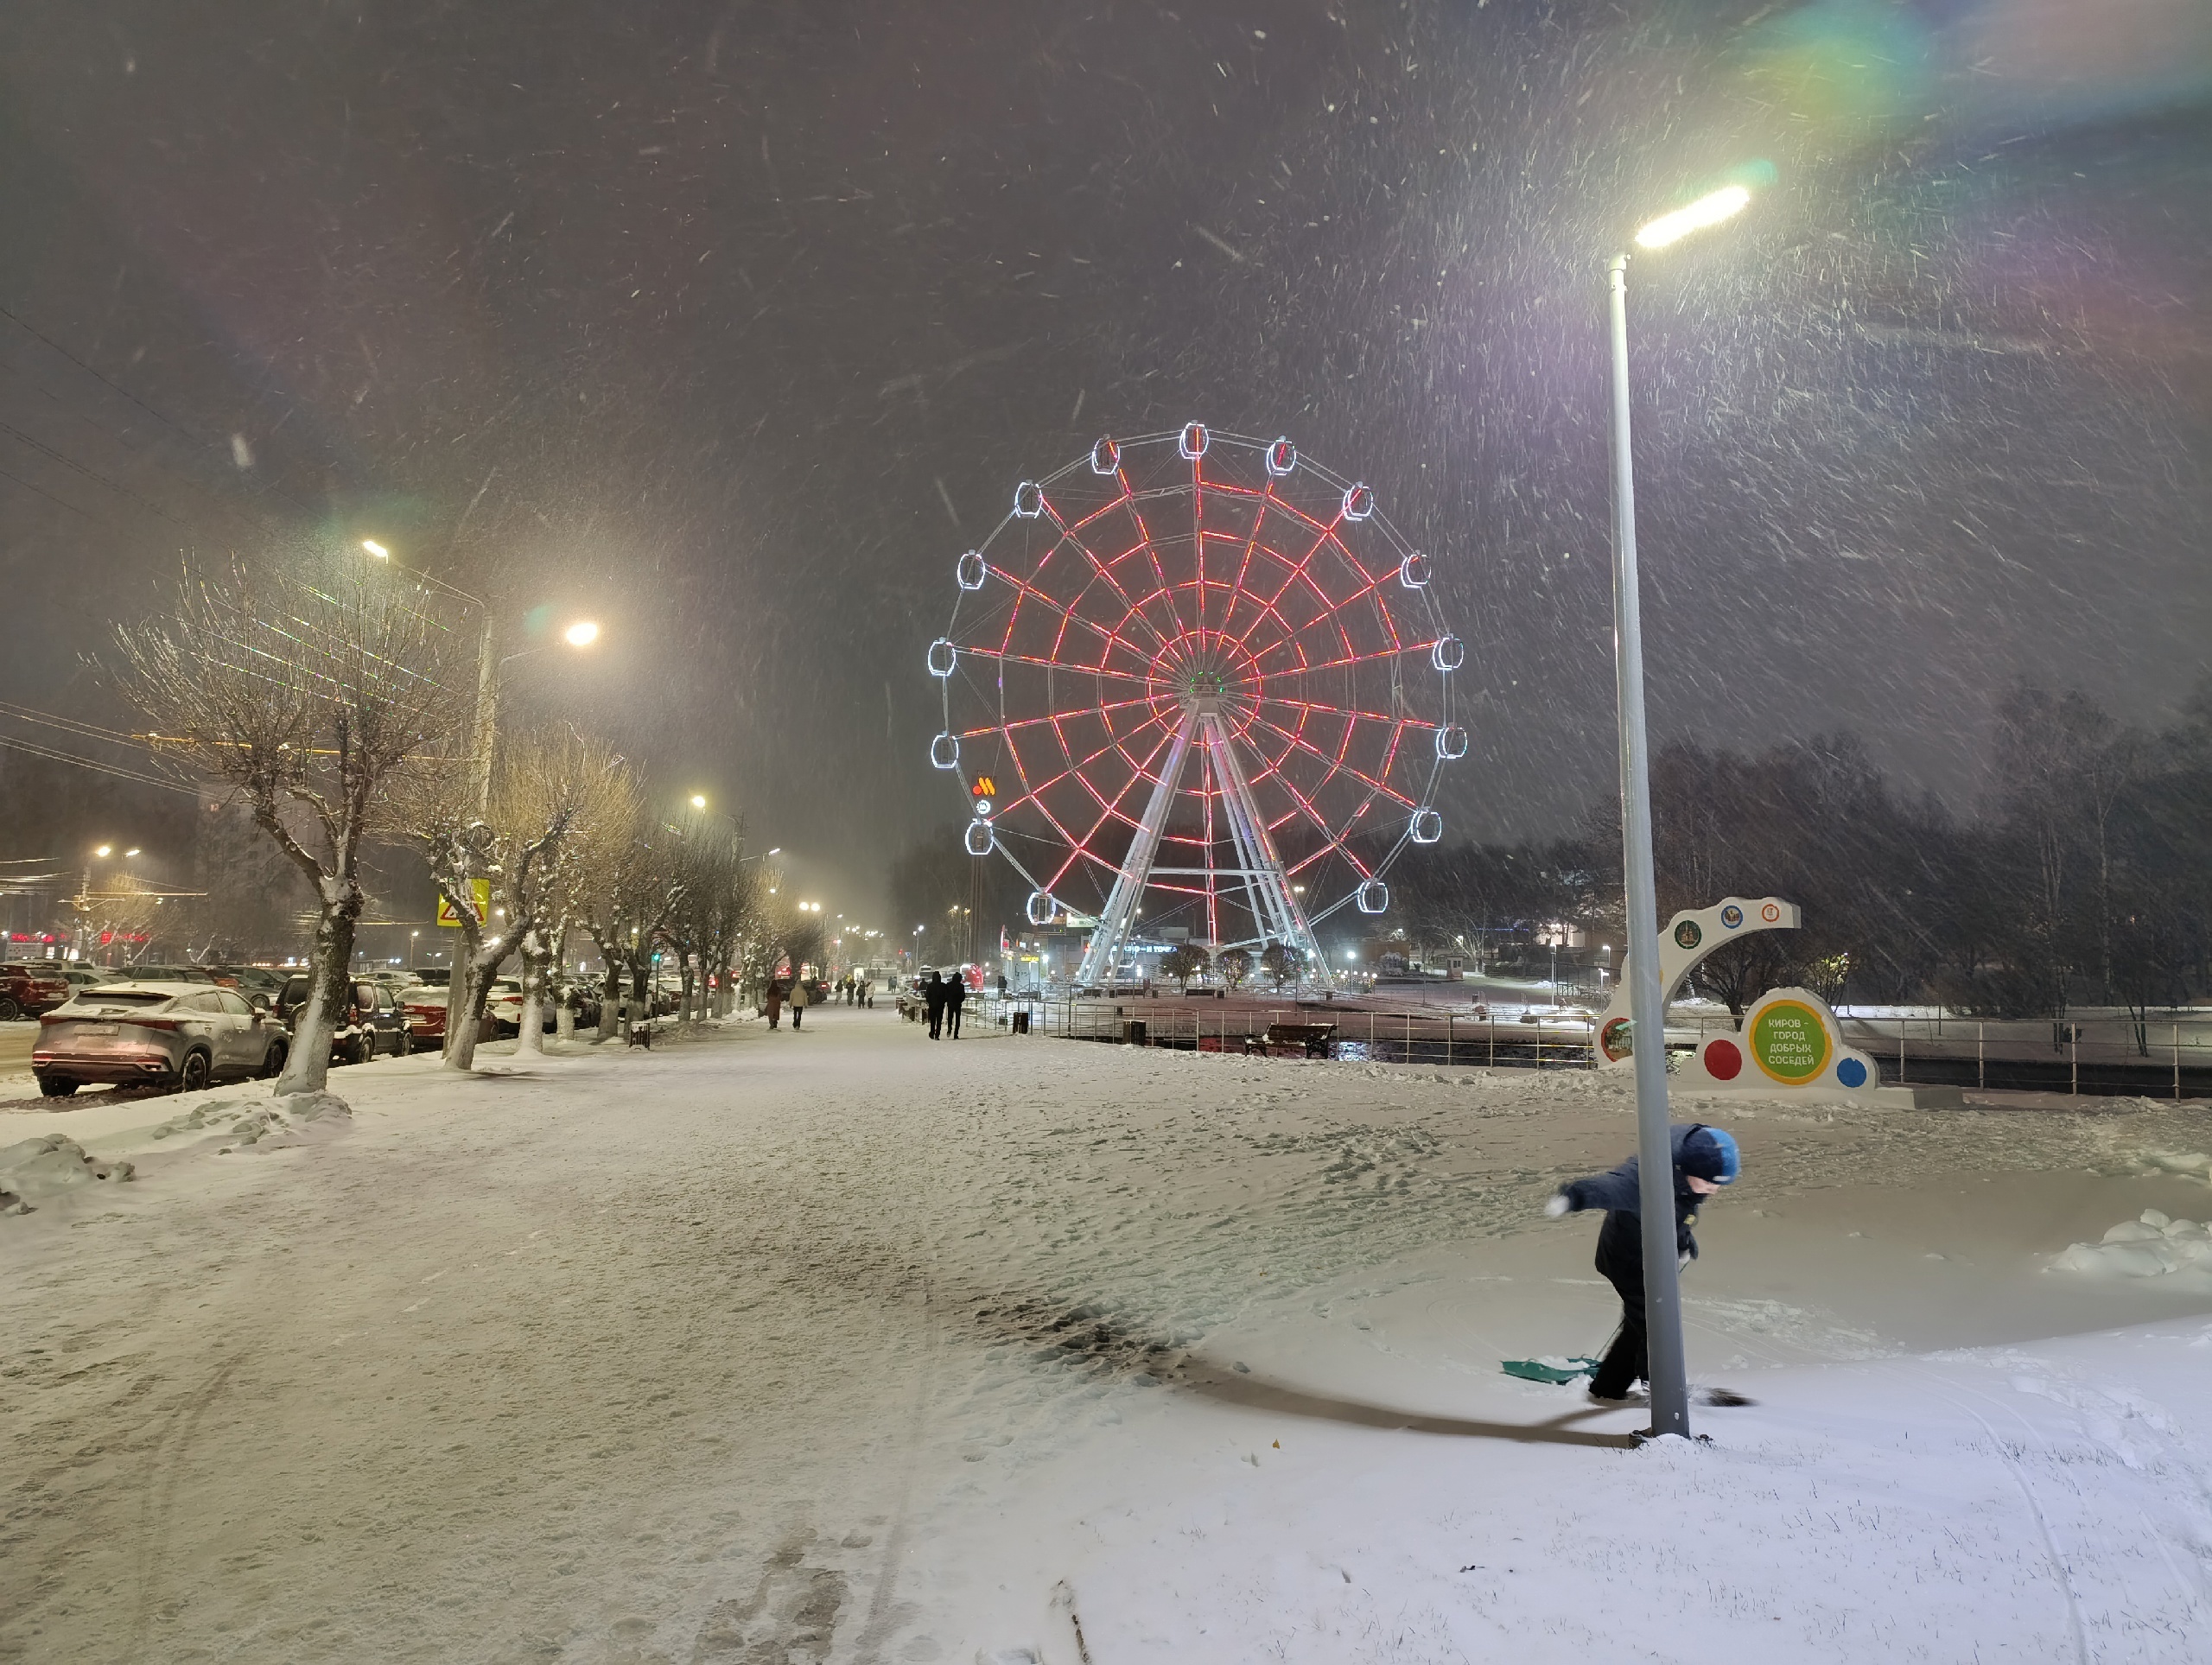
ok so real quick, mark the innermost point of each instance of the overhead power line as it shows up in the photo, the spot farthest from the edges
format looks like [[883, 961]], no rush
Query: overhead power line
[[93, 764]]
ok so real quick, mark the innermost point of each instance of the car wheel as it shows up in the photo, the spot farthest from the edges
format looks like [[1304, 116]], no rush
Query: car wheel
[[9, 1011], [56, 1086], [272, 1061], [194, 1076]]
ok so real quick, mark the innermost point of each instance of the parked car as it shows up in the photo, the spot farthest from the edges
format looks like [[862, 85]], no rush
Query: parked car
[[179, 1035], [81, 976], [30, 986], [168, 974], [249, 980], [425, 1008], [372, 1021]]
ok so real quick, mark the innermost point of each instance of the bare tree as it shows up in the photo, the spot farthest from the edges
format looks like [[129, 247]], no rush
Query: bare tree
[[624, 900], [307, 695], [546, 788], [716, 903], [553, 793]]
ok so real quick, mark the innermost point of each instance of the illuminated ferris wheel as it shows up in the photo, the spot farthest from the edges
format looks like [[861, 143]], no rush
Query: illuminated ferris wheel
[[1198, 678]]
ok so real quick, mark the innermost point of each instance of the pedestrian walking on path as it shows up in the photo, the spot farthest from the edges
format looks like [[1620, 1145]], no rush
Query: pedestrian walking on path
[[798, 1003], [1706, 1158], [956, 996], [933, 994], [772, 1004]]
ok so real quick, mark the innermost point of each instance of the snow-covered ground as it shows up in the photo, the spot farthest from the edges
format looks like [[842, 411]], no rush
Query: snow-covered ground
[[843, 1345]]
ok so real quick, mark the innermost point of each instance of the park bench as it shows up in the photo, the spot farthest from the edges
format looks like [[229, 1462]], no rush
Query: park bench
[[1300, 1039]]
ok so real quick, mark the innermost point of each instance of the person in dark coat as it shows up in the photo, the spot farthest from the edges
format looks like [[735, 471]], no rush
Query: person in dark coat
[[956, 996], [773, 1004], [1706, 1158], [933, 993]]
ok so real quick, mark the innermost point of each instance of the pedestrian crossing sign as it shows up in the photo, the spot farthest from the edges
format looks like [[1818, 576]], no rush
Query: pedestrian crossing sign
[[480, 894]]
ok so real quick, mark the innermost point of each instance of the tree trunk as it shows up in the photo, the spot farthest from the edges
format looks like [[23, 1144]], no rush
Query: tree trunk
[[462, 1036], [307, 1066], [610, 997], [532, 1036]]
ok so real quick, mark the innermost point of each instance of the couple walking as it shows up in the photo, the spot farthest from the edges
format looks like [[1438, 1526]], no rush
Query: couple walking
[[942, 998], [774, 1004]]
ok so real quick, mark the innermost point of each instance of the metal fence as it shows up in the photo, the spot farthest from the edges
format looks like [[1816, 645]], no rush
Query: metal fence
[[1354, 1033], [2100, 1055]]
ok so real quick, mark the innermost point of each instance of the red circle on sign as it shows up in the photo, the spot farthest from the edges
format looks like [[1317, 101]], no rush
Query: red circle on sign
[[1724, 1061], [1770, 913]]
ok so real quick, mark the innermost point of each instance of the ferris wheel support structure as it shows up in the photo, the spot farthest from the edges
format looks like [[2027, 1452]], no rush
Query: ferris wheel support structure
[[1273, 904]]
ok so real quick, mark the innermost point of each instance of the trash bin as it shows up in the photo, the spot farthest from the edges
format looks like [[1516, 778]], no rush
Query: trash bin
[[1133, 1031], [1021, 1023]]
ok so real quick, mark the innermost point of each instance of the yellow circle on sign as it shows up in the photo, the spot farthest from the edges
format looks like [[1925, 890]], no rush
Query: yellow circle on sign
[[1789, 1042]]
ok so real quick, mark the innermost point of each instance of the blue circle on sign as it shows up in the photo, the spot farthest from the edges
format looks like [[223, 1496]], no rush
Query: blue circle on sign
[[1851, 1072], [1732, 916]]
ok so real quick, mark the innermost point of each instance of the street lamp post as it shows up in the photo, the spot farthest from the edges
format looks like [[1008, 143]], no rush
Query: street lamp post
[[1662, 1290], [484, 735]]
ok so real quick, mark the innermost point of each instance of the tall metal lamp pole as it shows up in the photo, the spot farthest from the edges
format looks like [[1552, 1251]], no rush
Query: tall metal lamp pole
[[1663, 1289]]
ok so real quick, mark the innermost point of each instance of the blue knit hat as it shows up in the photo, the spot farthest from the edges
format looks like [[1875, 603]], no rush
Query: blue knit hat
[[1711, 1153]]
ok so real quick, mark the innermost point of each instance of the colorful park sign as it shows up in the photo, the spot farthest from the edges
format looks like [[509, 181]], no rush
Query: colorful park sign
[[1689, 936], [1788, 1040]]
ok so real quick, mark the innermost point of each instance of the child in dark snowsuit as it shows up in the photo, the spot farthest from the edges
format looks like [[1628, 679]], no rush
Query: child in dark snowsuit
[[1706, 1158]]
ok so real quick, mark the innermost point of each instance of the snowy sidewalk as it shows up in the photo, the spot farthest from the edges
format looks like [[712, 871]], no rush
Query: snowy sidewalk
[[846, 1345]]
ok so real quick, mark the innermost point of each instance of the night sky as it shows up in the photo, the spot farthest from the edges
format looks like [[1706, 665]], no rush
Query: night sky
[[733, 324]]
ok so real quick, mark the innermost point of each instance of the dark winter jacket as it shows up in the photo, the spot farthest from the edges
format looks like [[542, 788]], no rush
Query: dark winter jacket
[[1620, 1192]]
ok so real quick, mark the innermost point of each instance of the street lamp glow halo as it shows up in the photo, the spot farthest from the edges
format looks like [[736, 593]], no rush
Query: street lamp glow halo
[[1709, 210], [582, 633], [376, 549]]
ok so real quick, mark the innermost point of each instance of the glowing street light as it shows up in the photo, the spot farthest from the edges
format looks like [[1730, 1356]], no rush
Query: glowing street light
[[698, 800], [1708, 211], [376, 549], [1663, 1293], [582, 633], [105, 851]]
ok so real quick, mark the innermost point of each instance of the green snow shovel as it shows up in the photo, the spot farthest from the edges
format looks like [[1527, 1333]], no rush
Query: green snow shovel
[[1529, 1370]]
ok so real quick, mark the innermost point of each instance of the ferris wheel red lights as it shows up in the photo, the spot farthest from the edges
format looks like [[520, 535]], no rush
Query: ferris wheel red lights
[[1209, 683]]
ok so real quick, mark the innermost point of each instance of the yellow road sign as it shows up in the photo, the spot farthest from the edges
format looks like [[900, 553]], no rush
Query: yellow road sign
[[481, 889]]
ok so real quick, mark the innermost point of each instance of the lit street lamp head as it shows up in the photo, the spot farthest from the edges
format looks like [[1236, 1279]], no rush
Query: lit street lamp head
[[376, 549], [698, 801], [1723, 204], [582, 633]]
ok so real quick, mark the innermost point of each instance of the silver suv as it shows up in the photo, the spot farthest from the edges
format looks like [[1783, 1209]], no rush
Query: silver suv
[[180, 1035]]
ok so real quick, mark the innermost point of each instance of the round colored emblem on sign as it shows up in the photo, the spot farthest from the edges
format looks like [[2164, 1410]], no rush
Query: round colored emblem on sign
[[1789, 1042], [1724, 1060], [1687, 935], [1617, 1039], [1770, 913], [1851, 1072], [1732, 916]]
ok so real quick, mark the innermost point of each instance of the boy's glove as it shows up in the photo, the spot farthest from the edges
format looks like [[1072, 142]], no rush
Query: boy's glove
[[1557, 1206]]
